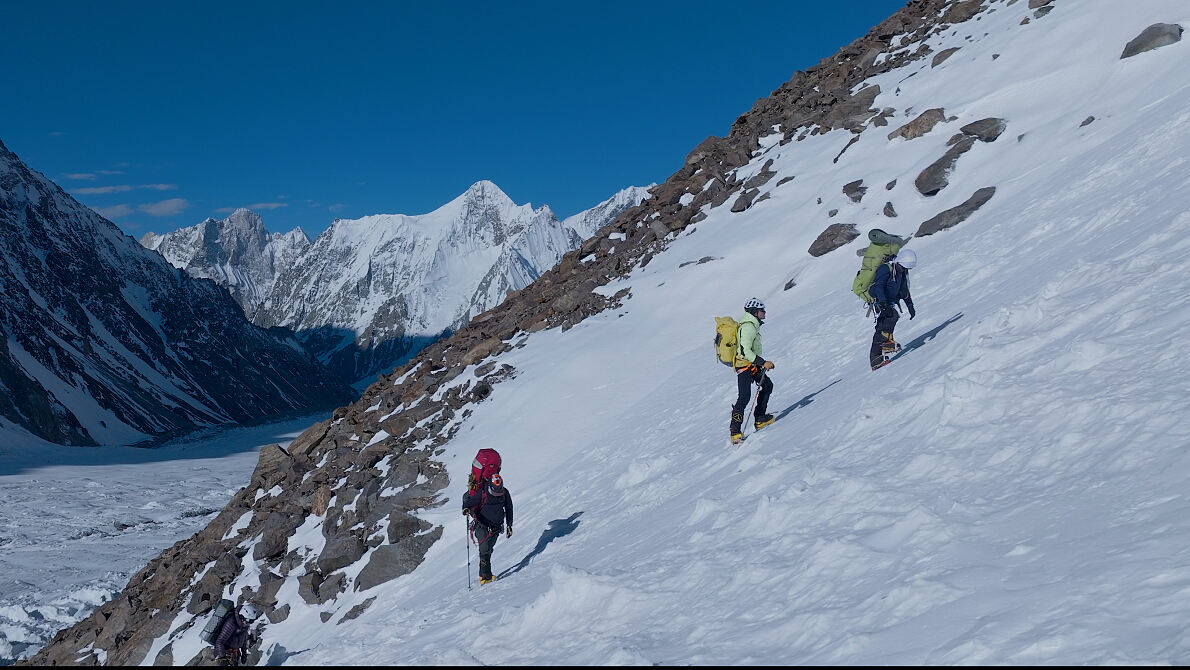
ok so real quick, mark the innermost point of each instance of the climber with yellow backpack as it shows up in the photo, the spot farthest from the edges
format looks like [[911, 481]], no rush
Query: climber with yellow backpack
[[737, 344]]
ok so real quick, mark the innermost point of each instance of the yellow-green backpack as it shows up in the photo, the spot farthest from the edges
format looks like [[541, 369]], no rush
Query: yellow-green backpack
[[882, 247]]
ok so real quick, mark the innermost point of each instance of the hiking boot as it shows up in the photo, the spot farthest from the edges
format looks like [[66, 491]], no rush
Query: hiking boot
[[879, 364], [737, 438], [764, 420], [486, 580]]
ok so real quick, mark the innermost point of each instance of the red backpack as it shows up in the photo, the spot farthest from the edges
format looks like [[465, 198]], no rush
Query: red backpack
[[486, 464]]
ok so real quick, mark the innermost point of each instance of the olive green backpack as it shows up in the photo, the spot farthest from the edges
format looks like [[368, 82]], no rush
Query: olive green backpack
[[882, 247]]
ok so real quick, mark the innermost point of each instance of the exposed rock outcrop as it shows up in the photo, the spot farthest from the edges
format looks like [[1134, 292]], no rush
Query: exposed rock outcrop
[[1153, 37], [956, 215], [835, 236], [920, 125]]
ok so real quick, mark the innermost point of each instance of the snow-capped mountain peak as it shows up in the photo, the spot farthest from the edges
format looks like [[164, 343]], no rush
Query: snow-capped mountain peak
[[237, 252]]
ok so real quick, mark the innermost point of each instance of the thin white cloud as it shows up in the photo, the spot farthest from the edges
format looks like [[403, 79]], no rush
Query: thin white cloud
[[337, 207], [80, 176], [92, 190], [109, 172], [114, 212], [123, 188], [165, 207]]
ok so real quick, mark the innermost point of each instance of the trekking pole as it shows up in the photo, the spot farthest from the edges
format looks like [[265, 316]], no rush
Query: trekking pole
[[468, 521]]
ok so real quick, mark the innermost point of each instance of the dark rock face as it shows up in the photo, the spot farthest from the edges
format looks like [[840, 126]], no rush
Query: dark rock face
[[888, 210], [835, 236], [855, 190], [935, 177], [956, 215], [87, 309], [941, 56], [985, 130], [1153, 37], [374, 464]]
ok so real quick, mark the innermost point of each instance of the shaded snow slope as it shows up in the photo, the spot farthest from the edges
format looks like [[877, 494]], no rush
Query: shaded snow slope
[[103, 342]]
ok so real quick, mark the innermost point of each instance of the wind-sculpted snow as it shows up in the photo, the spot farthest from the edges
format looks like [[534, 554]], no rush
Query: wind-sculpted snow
[[1009, 491]]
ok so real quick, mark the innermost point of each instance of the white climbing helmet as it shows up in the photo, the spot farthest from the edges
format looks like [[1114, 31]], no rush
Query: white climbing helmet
[[250, 612], [753, 304], [906, 259]]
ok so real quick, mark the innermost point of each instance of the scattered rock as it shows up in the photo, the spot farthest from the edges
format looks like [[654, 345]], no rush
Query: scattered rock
[[790, 284], [985, 130], [961, 11], [835, 236], [1156, 35], [785, 180], [923, 124], [855, 190], [888, 210], [941, 56], [1042, 12], [1087, 121], [745, 200], [890, 185], [853, 140], [760, 178], [934, 178], [704, 259], [832, 213], [1036, 4], [956, 215]]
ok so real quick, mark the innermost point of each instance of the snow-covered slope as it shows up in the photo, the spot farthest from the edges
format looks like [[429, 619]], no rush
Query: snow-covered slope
[[237, 252], [1009, 491], [104, 343], [371, 292]]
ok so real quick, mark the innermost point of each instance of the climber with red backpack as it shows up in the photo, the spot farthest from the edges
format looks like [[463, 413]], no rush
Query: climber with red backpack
[[489, 506]]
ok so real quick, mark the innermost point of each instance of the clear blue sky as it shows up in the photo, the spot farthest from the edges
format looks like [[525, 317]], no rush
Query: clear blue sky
[[161, 114]]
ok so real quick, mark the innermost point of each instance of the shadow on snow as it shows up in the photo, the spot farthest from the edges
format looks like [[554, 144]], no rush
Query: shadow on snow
[[556, 529]]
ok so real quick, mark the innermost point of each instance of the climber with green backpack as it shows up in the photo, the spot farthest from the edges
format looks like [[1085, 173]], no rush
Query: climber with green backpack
[[882, 282], [737, 344]]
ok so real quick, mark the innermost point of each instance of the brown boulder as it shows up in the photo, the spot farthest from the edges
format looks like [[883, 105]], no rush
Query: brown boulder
[[835, 236]]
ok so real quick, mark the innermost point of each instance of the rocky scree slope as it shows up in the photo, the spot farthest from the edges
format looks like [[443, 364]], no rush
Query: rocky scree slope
[[106, 343], [338, 510]]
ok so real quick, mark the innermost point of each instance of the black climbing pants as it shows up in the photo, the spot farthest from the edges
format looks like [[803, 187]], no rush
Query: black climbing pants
[[745, 378], [486, 538], [885, 323]]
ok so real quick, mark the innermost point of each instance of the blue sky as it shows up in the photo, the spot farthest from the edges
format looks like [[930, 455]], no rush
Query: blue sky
[[162, 114]]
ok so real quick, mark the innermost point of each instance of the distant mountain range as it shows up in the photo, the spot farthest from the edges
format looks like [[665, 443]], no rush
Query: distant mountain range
[[105, 343], [370, 292]]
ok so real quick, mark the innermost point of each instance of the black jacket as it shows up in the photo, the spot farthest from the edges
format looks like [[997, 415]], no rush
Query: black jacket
[[490, 506]]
